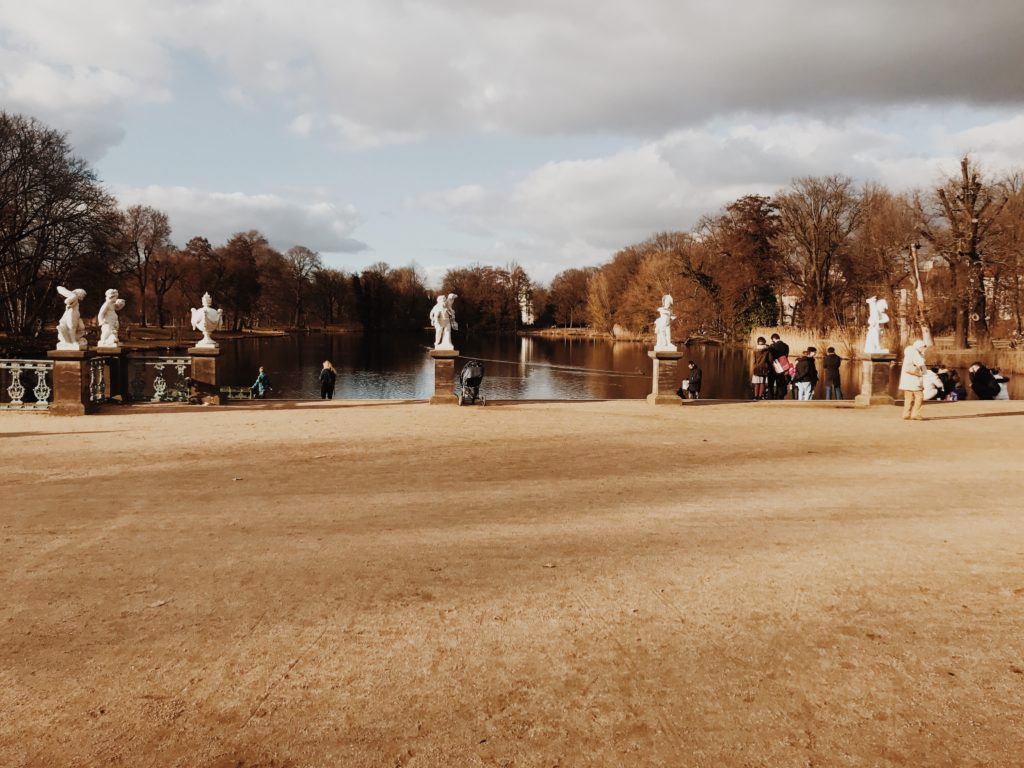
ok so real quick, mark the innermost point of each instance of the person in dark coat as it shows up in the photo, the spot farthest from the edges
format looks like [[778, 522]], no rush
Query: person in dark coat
[[328, 376], [983, 382], [695, 380], [806, 378], [831, 363], [778, 382], [762, 369]]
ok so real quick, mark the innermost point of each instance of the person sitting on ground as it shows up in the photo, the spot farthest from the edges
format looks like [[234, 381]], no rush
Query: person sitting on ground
[[328, 376], [762, 368], [831, 363], [959, 389], [695, 380], [261, 385], [1003, 382], [806, 378], [983, 382], [932, 385], [911, 380]]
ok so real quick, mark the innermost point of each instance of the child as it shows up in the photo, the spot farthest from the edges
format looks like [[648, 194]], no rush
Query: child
[[261, 385]]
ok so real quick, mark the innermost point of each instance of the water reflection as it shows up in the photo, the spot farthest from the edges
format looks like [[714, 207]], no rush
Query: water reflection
[[378, 366]]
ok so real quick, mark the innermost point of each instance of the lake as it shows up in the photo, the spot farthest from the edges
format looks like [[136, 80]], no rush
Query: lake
[[381, 366]]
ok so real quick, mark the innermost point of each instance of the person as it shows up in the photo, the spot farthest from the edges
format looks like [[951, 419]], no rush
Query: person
[[983, 382], [762, 368], [831, 363], [951, 384], [1003, 382], [932, 385], [778, 378], [695, 380], [806, 378], [328, 376], [911, 380], [261, 385]]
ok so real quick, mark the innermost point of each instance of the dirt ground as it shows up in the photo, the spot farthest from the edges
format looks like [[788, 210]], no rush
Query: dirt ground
[[559, 584]]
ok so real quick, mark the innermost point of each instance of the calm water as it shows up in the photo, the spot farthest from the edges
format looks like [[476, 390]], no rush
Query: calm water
[[372, 366]]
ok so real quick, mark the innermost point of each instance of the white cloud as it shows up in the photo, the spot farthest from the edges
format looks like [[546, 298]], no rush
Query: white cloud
[[383, 73], [320, 225], [569, 213]]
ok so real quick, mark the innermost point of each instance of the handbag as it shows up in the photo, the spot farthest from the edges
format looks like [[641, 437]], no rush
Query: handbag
[[781, 364]]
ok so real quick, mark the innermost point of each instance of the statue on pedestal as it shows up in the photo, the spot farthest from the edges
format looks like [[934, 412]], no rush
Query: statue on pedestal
[[107, 319], [442, 316], [876, 319], [663, 326], [206, 320], [70, 328]]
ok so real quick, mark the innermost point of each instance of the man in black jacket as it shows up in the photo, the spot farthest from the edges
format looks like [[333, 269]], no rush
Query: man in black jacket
[[777, 382], [806, 378], [831, 364], [695, 380]]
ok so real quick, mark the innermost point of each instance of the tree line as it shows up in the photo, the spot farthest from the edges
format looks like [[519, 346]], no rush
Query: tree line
[[950, 257], [811, 254]]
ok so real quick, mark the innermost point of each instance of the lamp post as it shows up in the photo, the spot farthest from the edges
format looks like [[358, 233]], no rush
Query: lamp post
[[922, 317]]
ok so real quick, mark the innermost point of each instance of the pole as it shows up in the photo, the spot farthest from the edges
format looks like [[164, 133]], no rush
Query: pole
[[922, 318]]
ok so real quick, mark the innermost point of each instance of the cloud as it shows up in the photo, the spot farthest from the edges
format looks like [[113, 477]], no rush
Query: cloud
[[322, 226], [383, 73], [578, 212]]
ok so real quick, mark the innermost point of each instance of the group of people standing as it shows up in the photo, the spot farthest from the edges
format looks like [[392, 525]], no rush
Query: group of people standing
[[775, 376]]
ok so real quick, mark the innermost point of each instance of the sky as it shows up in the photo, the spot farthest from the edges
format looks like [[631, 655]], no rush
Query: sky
[[551, 133]]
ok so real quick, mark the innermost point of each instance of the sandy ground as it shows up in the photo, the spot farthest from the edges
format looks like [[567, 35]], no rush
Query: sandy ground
[[605, 584]]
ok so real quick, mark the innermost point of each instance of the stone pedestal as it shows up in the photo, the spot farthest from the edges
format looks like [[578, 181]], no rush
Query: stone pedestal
[[876, 373], [205, 375], [444, 377], [71, 382], [664, 380]]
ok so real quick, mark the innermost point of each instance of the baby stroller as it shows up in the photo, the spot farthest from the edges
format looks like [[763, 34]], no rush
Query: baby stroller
[[468, 385]]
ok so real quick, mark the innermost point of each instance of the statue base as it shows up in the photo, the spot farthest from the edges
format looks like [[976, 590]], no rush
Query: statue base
[[71, 382], [664, 379], [205, 375], [444, 377], [876, 373]]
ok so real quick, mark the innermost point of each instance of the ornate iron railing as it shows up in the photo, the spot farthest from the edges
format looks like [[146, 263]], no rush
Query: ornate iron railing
[[24, 394], [159, 379], [236, 393], [101, 381]]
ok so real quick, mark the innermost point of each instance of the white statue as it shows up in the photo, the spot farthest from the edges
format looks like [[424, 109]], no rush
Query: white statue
[[206, 319], [442, 316], [70, 328], [663, 326], [877, 318], [107, 319]]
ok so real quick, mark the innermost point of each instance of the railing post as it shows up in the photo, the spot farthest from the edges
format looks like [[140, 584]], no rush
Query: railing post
[[205, 375], [444, 377], [876, 373], [71, 395], [663, 378]]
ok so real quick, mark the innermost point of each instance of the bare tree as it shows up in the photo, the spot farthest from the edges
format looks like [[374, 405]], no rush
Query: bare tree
[[302, 263], [52, 213], [817, 219], [967, 210], [146, 233]]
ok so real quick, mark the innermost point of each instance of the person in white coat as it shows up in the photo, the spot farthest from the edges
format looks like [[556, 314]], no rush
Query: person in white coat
[[933, 389], [912, 380]]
